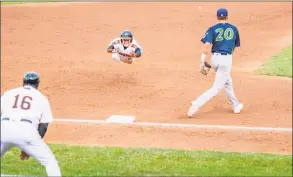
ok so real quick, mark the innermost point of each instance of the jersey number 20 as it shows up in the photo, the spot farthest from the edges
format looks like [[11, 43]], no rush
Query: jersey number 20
[[228, 34], [24, 104]]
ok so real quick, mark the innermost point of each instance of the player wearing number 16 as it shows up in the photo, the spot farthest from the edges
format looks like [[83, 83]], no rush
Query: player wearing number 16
[[223, 38], [23, 109]]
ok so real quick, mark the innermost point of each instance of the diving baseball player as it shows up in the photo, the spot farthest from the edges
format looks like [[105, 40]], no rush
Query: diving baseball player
[[223, 37], [125, 48], [24, 109]]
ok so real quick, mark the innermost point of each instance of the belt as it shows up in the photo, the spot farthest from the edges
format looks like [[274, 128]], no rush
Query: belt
[[22, 120], [221, 53]]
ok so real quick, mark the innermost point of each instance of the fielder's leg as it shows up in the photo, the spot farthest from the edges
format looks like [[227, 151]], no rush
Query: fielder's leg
[[231, 95], [230, 92], [39, 150], [222, 75], [6, 137]]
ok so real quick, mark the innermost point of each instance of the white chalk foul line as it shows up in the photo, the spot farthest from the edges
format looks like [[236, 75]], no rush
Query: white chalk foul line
[[203, 126]]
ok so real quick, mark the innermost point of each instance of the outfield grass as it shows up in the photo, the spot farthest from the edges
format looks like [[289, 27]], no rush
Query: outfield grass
[[106, 161], [14, 2], [279, 65], [22, 2]]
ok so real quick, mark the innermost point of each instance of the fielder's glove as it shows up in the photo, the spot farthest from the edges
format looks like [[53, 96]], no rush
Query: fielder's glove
[[205, 68], [24, 156]]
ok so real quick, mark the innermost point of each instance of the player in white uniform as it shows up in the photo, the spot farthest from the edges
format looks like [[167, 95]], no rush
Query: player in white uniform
[[125, 48], [24, 109]]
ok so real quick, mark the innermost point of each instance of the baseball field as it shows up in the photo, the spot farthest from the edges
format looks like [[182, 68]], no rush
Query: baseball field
[[66, 44]]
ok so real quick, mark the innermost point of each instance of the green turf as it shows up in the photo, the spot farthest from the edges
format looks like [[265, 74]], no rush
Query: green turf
[[106, 161], [23, 2], [279, 65], [8, 2]]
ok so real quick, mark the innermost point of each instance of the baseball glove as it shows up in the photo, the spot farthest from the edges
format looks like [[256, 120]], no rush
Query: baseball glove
[[24, 156], [205, 68]]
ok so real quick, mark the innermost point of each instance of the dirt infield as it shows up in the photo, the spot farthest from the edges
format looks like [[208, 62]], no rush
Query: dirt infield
[[67, 46]]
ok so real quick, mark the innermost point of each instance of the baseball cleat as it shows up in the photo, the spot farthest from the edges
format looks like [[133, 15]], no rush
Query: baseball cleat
[[238, 108], [192, 110]]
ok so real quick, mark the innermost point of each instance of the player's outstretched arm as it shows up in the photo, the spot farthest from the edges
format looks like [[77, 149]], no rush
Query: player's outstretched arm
[[137, 53], [110, 49]]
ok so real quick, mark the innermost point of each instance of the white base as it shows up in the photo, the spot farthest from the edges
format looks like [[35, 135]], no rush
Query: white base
[[120, 119]]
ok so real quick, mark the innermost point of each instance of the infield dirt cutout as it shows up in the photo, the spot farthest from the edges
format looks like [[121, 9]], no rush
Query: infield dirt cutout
[[67, 47]]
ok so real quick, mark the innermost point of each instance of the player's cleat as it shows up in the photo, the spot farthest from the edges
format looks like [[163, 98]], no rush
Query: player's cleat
[[192, 110], [238, 108]]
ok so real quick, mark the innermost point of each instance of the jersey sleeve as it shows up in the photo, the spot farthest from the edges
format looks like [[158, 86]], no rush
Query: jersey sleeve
[[208, 36], [237, 40], [136, 45], [47, 116], [115, 42]]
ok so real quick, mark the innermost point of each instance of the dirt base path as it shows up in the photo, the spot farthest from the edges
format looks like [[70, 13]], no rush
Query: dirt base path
[[67, 46]]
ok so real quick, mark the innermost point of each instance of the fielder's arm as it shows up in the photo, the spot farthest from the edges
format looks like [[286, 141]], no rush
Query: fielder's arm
[[46, 117], [42, 129], [205, 50], [207, 40]]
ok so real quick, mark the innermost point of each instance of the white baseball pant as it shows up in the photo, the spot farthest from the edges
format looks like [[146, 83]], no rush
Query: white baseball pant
[[26, 137], [222, 65]]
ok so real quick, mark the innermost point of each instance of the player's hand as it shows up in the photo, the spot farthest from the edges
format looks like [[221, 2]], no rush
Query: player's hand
[[24, 156], [113, 51], [132, 54]]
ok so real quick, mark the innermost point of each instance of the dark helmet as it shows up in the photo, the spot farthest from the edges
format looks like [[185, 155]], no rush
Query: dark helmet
[[126, 34], [32, 79]]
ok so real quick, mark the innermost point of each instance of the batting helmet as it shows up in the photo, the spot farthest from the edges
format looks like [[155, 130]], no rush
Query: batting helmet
[[31, 78], [126, 34]]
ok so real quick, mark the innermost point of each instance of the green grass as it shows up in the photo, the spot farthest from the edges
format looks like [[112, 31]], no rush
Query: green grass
[[279, 65], [12, 2], [106, 161], [23, 2]]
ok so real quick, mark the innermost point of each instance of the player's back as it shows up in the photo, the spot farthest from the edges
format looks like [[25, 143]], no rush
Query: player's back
[[23, 103], [225, 38]]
